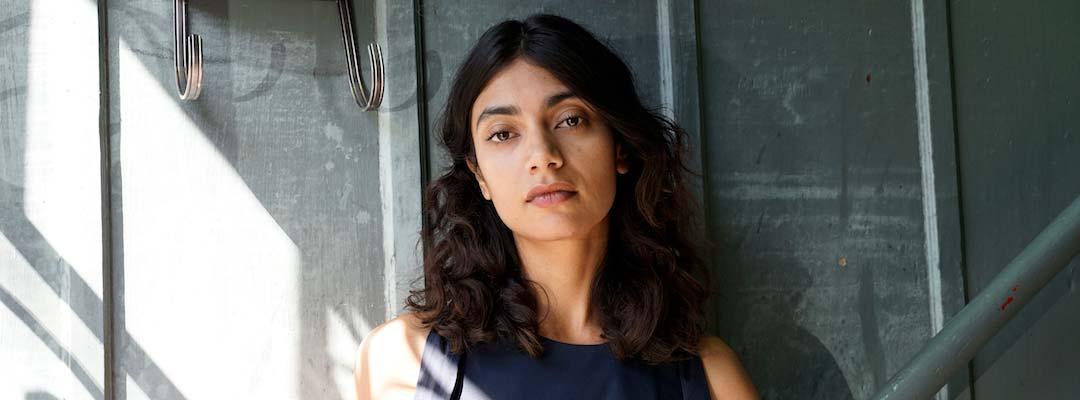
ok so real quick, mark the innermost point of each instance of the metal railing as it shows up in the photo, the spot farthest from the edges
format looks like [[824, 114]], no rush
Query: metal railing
[[984, 316]]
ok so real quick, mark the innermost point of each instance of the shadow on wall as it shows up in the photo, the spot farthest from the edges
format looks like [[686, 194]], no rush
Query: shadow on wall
[[31, 245], [277, 107], [259, 81], [783, 359], [50, 341], [759, 280], [262, 70], [67, 285], [40, 396]]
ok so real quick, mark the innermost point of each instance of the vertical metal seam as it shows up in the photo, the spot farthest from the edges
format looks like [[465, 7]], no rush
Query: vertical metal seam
[[421, 117], [386, 196], [703, 143], [926, 161], [421, 92], [663, 38], [105, 168], [964, 279]]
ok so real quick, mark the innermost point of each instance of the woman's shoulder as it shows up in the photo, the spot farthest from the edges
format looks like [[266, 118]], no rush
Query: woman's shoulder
[[388, 359], [726, 377]]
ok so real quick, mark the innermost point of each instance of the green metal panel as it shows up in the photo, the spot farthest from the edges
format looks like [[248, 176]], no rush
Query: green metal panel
[[817, 189], [984, 316], [1017, 78], [807, 126]]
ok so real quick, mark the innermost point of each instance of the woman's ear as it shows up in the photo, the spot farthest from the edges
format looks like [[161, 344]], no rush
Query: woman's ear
[[479, 179], [621, 165]]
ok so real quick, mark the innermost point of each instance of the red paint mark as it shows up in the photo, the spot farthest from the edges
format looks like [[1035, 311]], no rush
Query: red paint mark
[[867, 77], [1014, 287], [1006, 303]]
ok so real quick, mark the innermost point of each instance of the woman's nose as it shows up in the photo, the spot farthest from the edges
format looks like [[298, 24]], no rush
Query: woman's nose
[[544, 151]]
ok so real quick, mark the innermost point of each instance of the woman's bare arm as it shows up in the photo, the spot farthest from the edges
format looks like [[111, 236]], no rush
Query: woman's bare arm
[[727, 378], [388, 359]]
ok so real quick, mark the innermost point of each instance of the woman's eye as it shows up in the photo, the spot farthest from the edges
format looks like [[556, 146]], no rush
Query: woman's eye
[[501, 135], [573, 120]]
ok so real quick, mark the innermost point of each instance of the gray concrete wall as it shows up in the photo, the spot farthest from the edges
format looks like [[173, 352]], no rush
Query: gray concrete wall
[[258, 233], [260, 228]]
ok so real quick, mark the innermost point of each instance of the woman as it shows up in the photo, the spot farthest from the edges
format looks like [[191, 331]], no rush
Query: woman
[[557, 254]]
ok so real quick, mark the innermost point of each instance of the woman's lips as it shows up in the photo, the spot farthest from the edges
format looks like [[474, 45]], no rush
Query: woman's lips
[[552, 198]]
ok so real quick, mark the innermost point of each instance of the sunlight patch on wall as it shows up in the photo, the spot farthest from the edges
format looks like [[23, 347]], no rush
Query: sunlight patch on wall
[[210, 279], [61, 175], [45, 346]]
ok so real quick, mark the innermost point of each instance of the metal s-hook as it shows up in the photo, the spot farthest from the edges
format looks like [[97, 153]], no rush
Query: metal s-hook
[[366, 102], [189, 59]]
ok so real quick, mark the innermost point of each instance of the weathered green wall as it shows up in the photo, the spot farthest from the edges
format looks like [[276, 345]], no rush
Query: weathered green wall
[[1017, 79], [822, 183], [866, 167], [805, 121]]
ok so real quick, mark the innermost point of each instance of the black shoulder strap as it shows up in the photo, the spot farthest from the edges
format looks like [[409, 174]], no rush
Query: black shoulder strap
[[441, 374], [456, 393]]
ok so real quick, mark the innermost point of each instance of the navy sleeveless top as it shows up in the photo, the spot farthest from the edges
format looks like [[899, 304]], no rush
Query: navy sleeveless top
[[565, 371]]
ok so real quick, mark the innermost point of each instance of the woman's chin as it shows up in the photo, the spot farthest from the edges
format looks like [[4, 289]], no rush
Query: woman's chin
[[556, 227]]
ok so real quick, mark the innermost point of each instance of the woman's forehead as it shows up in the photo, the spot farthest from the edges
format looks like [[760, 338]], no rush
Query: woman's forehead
[[521, 84]]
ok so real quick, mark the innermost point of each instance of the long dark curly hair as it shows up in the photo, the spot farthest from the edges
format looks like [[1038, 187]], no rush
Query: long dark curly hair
[[651, 287]]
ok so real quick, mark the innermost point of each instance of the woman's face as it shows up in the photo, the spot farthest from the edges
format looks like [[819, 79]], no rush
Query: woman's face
[[529, 130]]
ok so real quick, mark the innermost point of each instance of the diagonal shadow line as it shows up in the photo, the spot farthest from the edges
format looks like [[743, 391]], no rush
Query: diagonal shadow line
[[47, 338], [39, 395], [144, 45], [48, 264], [351, 324], [15, 21], [82, 300]]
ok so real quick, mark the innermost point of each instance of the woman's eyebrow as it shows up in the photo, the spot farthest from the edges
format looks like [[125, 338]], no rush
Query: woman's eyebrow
[[513, 110], [558, 97], [496, 110]]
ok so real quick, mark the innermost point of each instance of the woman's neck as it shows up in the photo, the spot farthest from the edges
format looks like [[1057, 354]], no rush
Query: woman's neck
[[565, 269]]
